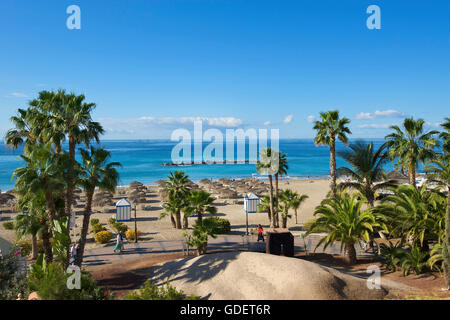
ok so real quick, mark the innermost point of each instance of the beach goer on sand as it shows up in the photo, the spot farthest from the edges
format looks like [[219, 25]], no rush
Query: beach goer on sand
[[260, 233], [119, 242], [73, 253]]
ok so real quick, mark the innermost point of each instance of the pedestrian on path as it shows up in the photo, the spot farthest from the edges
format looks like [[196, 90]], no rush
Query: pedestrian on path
[[260, 233], [73, 253], [119, 242]]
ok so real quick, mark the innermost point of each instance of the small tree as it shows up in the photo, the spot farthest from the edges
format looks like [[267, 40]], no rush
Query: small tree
[[346, 221], [199, 237]]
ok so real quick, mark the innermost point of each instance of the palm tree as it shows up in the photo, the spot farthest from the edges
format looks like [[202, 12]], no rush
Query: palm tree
[[70, 115], [328, 129], [268, 164], [282, 170], [25, 128], [95, 172], [171, 207], [296, 202], [366, 169], [43, 173], [286, 197], [264, 206], [199, 202], [32, 224], [439, 170], [412, 214], [342, 215], [446, 135], [411, 144], [177, 189]]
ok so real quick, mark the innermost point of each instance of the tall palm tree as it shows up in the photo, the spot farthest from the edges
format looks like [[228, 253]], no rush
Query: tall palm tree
[[283, 167], [296, 202], [343, 216], [330, 128], [42, 174], [411, 144], [439, 170], [446, 136], [70, 115], [200, 202], [95, 172], [177, 189], [268, 164], [366, 169]]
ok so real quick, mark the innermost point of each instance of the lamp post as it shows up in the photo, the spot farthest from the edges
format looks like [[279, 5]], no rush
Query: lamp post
[[135, 225]]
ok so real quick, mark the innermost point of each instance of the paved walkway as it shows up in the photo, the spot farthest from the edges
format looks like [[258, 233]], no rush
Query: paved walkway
[[105, 255]]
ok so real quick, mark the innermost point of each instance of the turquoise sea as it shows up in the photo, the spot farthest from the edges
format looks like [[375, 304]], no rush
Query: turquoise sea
[[142, 161]]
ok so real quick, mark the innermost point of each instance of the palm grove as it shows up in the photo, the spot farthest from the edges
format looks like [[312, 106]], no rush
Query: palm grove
[[417, 217], [45, 185]]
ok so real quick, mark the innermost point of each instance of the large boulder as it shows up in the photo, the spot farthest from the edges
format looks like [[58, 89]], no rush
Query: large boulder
[[259, 276]]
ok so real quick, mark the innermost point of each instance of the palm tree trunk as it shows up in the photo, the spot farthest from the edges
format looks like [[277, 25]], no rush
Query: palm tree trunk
[[272, 218], [172, 220], [34, 247], [84, 228], [296, 222], [446, 247], [284, 221], [412, 174], [178, 220], [50, 206], [185, 222], [199, 217], [47, 245], [350, 254], [70, 177], [333, 167], [277, 221]]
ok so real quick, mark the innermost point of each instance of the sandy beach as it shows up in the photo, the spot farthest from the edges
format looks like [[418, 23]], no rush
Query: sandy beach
[[153, 228]]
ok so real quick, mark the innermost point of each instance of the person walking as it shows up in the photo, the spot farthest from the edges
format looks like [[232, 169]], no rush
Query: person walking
[[73, 253], [119, 242], [260, 233]]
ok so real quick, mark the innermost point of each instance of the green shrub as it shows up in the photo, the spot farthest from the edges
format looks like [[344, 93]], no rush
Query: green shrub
[[393, 254], [221, 225], [94, 221], [8, 225], [111, 221], [319, 229], [103, 236], [119, 226], [50, 283], [415, 260], [12, 282], [96, 228], [153, 292], [25, 246]]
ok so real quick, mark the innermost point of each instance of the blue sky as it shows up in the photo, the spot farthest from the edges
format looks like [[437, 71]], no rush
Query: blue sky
[[152, 66]]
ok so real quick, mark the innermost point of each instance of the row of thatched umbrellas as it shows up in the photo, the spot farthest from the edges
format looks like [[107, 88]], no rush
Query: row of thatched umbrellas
[[223, 188]]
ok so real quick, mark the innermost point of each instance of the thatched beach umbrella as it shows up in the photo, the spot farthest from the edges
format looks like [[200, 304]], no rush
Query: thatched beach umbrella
[[398, 177]]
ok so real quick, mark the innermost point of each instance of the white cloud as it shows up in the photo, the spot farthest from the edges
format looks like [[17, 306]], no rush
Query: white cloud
[[380, 114], [267, 123], [374, 126], [17, 95], [288, 119], [225, 122], [311, 118]]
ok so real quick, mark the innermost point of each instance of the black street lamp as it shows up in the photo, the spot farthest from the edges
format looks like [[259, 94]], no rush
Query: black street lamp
[[135, 225]]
